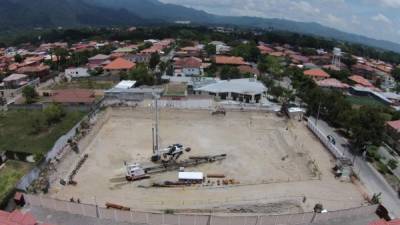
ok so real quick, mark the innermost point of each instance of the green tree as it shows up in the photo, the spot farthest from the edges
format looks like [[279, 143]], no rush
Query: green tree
[[229, 72], [348, 60], [141, 75], [163, 66], [248, 51], [154, 60], [272, 65], [18, 58], [396, 74], [210, 49], [368, 127], [30, 94], [53, 113]]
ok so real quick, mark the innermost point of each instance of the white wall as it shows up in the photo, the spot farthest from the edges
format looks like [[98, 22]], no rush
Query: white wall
[[77, 72]]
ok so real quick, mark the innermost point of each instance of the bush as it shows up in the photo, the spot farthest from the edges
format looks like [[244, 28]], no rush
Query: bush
[[37, 124], [372, 153], [29, 94], [392, 164], [382, 168], [53, 113]]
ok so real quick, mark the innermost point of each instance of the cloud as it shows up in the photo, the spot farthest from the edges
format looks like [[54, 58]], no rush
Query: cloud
[[381, 18], [390, 3], [354, 16]]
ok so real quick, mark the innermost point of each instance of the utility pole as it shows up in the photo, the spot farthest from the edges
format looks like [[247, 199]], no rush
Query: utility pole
[[319, 109], [157, 139]]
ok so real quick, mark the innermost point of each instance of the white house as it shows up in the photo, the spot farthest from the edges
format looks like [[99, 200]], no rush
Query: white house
[[188, 67], [77, 72]]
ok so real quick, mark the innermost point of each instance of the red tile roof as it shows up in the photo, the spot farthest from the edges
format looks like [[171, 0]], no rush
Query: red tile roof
[[120, 64], [316, 73], [394, 124], [384, 222], [189, 62], [229, 60], [264, 49], [16, 218], [332, 82], [361, 80], [248, 69], [73, 96]]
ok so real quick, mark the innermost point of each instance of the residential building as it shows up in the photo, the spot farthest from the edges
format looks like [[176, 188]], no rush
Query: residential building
[[221, 48], [125, 50], [392, 134], [98, 60], [229, 60], [139, 58], [191, 51], [249, 70], [359, 80], [316, 74], [73, 96], [119, 65], [332, 83], [265, 50], [126, 84], [77, 72], [41, 71], [15, 81], [363, 70], [247, 90], [188, 66]]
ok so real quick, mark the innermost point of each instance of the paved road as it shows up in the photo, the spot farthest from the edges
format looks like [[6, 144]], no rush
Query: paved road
[[373, 180]]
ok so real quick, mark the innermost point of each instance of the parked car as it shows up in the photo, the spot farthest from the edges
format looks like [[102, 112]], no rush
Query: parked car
[[331, 139]]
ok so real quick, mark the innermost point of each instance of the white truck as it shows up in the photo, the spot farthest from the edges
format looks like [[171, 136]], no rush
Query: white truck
[[135, 172]]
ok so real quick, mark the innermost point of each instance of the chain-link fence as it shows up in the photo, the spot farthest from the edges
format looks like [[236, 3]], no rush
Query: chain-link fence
[[191, 219]]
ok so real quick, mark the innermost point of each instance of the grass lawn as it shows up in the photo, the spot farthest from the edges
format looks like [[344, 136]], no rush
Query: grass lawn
[[364, 101], [16, 131], [84, 84], [10, 174]]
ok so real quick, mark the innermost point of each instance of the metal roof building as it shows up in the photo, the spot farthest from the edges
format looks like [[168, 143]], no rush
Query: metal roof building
[[244, 90]]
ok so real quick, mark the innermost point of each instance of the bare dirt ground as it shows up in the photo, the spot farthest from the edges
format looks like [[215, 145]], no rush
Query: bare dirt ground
[[273, 159]]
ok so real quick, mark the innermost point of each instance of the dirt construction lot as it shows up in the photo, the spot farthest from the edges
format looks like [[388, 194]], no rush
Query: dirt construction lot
[[277, 163]]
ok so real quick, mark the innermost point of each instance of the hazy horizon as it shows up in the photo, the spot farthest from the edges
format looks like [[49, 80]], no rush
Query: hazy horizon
[[377, 19]]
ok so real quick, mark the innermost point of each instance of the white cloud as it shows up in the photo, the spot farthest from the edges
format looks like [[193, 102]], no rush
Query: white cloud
[[374, 18], [390, 3], [305, 7], [381, 18]]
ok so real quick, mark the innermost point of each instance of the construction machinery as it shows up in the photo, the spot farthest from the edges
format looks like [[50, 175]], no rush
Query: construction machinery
[[172, 152], [219, 111], [169, 154], [137, 171], [165, 159]]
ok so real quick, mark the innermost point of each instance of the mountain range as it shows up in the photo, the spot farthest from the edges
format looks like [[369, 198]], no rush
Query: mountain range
[[17, 14]]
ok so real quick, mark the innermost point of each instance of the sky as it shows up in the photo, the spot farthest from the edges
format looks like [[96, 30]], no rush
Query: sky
[[378, 19]]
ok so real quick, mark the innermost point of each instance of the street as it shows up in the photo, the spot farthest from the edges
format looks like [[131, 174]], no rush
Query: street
[[372, 179]]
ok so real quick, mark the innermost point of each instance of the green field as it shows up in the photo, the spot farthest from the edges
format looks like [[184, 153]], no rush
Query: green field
[[10, 174], [16, 131], [364, 101]]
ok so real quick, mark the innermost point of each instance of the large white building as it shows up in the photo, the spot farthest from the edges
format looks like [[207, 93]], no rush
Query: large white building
[[248, 90]]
